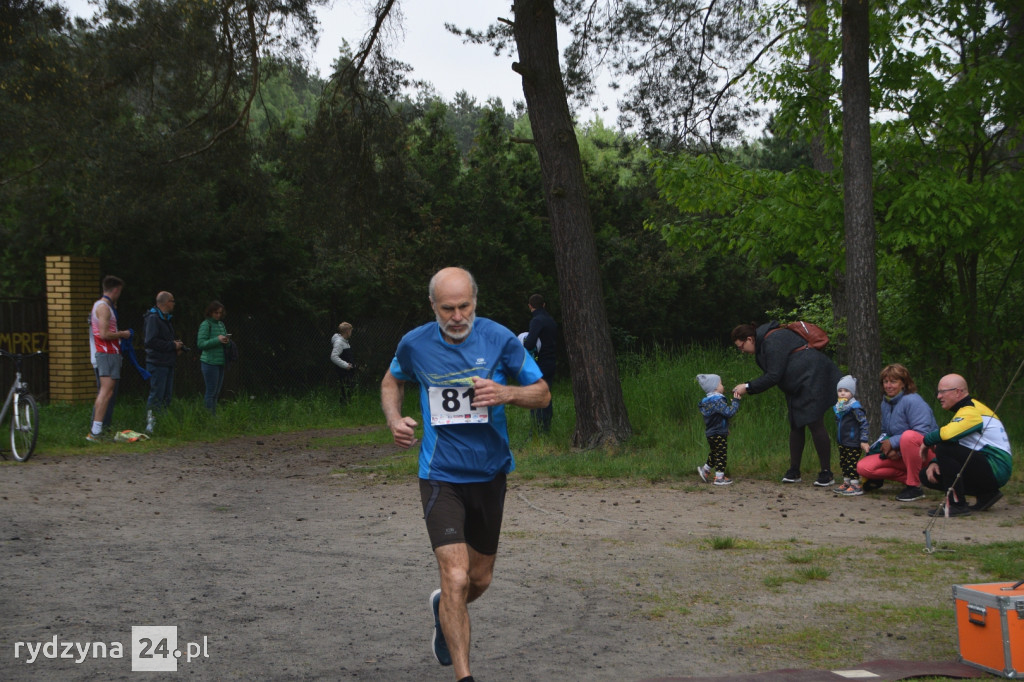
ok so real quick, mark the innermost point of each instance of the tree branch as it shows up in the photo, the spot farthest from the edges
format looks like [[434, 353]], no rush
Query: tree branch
[[354, 69], [243, 114]]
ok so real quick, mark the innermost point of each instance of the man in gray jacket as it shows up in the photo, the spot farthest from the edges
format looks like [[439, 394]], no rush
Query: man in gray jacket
[[162, 351]]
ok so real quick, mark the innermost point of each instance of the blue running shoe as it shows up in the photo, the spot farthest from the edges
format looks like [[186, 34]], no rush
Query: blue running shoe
[[439, 646]]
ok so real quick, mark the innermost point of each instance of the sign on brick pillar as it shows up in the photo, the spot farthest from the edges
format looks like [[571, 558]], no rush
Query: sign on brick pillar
[[72, 284]]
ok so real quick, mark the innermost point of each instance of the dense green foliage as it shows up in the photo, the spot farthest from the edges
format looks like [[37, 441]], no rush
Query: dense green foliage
[[947, 182], [326, 200], [193, 154]]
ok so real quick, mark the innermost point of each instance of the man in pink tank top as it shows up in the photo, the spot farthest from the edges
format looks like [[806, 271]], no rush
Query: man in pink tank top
[[105, 340]]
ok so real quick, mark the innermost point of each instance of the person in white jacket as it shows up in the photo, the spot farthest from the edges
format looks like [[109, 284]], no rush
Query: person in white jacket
[[341, 356]]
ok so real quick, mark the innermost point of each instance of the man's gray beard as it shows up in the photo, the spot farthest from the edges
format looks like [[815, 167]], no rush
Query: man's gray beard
[[461, 335]]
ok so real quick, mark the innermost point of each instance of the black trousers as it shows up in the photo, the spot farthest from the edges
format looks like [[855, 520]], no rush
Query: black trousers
[[977, 479], [542, 416]]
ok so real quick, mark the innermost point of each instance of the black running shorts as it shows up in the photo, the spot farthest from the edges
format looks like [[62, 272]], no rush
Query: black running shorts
[[464, 512]]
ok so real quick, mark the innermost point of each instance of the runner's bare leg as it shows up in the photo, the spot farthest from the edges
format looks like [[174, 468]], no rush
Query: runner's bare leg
[[465, 575]]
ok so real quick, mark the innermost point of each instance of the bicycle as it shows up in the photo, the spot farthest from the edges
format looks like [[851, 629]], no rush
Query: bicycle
[[25, 413]]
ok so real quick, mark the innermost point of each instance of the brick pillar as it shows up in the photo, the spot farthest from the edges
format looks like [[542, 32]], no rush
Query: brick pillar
[[72, 285]]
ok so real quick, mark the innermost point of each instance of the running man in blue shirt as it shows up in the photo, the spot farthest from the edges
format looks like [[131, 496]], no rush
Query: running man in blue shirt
[[462, 364]]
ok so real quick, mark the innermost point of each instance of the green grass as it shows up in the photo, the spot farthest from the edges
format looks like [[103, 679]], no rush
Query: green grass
[[832, 632], [811, 556], [378, 436], [1000, 560], [783, 623], [718, 542], [63, 427], [659, 389], [853, 635], [661, 396], [657, 606]]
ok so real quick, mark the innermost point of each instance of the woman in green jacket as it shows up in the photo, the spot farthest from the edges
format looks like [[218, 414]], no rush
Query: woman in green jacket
[[212, 341]]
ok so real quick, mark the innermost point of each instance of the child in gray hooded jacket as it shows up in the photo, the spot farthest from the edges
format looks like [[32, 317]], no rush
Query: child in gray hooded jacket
[[851, 434], [716, 412]]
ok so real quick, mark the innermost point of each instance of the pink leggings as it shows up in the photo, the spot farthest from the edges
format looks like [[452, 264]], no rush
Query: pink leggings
[[906, 470]]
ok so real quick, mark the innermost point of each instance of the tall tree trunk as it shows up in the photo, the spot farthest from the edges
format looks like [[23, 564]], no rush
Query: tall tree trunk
[[601, 416], [821, 159], [858, 207]]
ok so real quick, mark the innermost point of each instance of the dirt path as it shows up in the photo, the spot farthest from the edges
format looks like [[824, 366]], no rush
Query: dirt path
[[276, 568]]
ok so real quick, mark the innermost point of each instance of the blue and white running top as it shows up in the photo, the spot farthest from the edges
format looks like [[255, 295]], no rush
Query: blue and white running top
[[461, 445]]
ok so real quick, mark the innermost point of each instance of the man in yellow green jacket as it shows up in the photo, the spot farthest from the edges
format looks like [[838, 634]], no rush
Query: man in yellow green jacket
[[973, 441]]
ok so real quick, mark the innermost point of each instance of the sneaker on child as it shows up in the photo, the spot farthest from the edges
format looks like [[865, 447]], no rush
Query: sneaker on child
[[853, 489]]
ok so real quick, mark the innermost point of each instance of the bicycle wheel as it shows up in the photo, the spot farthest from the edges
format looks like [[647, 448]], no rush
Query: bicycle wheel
[[24, 426]]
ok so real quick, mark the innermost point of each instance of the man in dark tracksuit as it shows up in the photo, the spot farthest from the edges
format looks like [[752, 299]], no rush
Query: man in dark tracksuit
[[161, 353], [543, 336]]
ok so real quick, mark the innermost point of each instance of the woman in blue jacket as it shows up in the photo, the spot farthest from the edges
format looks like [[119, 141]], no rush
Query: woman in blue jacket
[[906, 418]]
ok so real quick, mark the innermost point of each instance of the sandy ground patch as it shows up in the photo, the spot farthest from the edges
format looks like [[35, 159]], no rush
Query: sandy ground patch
[[285, 561]]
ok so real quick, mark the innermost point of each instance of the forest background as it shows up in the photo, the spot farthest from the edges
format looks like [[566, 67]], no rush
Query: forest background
[[188, 146]]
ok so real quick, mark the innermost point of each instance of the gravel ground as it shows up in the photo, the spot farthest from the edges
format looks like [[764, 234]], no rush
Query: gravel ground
[[279, 558]]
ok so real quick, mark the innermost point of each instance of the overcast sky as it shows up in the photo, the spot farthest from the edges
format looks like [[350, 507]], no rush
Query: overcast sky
[[436, 55]]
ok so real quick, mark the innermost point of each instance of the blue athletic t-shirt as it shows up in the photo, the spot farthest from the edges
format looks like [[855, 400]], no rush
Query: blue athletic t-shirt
[[469, 452]]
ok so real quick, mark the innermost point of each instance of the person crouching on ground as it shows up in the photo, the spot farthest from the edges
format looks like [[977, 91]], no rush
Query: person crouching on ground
[[851, 434], [975, 441], [717, 413], [905, 417]]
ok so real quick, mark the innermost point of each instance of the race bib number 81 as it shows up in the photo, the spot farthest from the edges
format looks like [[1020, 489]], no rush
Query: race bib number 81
[[454, 405]]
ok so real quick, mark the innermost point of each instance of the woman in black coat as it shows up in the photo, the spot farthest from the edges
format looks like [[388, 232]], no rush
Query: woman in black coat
[[806, 376]]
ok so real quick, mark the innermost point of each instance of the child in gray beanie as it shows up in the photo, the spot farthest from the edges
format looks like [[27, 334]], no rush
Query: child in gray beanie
[[851, 435], [717, 413]]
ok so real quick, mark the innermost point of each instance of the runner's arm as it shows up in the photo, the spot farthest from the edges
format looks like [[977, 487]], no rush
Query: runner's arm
[[392, 395], [487, 393]]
